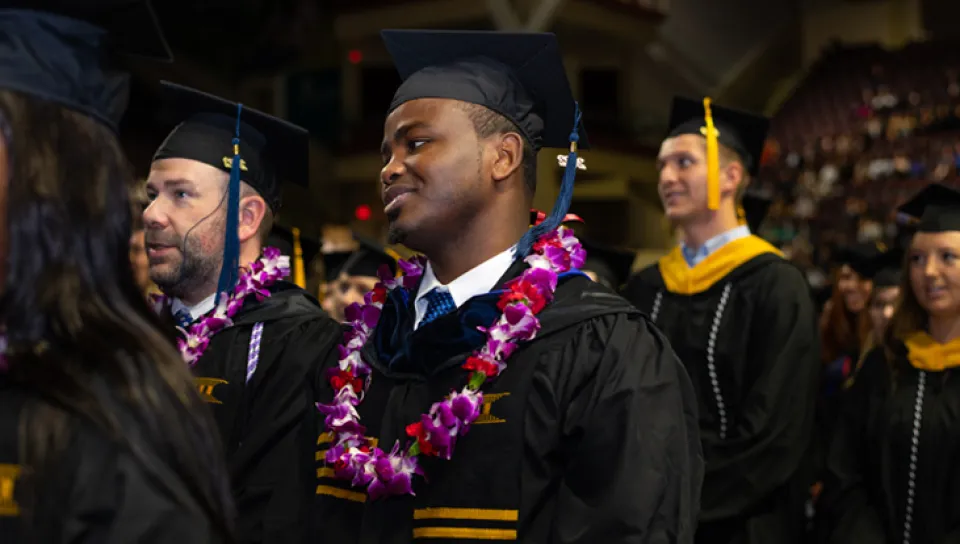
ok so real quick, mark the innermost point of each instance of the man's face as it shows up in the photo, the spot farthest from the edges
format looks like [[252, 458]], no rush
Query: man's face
[[185, 224], [683, 177], [433, 174]]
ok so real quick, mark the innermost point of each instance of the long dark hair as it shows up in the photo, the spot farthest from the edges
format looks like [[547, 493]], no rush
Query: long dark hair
[[842, 332], [908, 317], [82, 339]]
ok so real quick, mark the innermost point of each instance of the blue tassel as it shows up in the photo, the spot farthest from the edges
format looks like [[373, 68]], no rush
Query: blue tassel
[[230, 272], [562, 205]]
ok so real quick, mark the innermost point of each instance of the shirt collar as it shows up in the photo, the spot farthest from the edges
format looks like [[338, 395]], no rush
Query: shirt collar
[[695, 256], [479, 280], [199, 309]]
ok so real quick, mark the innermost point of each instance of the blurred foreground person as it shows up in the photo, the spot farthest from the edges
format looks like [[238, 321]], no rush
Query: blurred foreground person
[[892, 472], [102, 436]]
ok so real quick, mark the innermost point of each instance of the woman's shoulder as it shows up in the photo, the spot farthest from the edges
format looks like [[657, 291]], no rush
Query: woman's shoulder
[[96, 485]]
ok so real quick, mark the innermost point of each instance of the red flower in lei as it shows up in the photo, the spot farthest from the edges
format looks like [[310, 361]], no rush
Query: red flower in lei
[[391, 473]]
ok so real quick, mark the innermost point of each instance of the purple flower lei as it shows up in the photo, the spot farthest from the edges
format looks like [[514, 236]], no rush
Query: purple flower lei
[[256, 280], [385, 474]]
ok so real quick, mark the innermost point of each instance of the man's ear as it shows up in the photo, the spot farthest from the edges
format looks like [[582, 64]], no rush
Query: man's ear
[[509, 150], [253, 208], [731, 176]]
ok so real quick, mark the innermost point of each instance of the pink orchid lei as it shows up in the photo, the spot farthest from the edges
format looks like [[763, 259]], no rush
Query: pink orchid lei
[[255, 280], [352, 455]]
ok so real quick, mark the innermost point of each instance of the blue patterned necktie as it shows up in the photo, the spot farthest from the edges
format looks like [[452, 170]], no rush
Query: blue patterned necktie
[[439, 302], [184, 319]]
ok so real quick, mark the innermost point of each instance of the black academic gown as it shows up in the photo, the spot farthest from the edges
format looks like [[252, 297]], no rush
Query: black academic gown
[[587, 437], [96, 493], [867, 484], [747, 336], [268, 425]]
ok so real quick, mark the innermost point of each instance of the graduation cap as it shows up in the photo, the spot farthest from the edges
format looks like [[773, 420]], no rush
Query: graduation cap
[[935, 208], [272, 151], [55, 50], [518, 75], [889, 268], [333, 262], [368, 259], [862, 258], [612, 266], [755, 208], [744, 133], [301, 250], [250, 145]]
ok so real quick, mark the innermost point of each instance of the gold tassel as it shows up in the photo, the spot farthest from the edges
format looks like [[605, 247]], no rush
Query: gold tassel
[[741, 215], [299, 274], [713, 158]]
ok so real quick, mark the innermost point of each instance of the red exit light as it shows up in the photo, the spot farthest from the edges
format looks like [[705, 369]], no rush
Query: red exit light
[[362, 213]]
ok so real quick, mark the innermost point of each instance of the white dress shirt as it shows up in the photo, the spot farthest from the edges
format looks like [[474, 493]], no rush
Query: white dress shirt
[[479, 280], [197, 310]]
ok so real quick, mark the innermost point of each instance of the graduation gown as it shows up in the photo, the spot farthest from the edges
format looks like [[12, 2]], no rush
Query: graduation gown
[[96, 491], [744, 325], [588, 436], [268, 424], [868, 467]]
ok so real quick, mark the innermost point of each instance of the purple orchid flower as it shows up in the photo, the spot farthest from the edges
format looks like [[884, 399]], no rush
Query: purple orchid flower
[[394, 474], [466, 406], [523, 324], [498, 350], [353, 312], [341, 417], [271, 253], [545, 280]]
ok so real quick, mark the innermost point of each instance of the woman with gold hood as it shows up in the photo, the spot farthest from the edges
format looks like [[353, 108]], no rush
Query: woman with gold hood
[[892, 470]]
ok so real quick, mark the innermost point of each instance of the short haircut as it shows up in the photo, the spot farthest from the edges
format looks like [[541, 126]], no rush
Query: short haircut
[[488, 123], [266, 225], [728, 155]]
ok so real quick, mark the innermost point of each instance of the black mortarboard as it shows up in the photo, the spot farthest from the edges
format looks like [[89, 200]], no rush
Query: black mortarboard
[[368, 259], [56, 50], [935, 208], [889, 269], [519, 75], [272, 151], [333, 263], [611, 265], [742, 132], [861, 257], [283, 239], [755, 208]]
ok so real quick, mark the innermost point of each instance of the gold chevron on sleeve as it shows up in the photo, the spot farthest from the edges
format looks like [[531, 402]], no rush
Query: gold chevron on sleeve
[[485, 514], [464, 533]]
